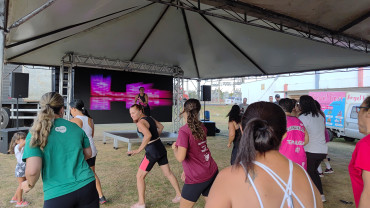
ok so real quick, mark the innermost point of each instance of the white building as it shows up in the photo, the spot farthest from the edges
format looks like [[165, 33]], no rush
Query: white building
[[295, 85]]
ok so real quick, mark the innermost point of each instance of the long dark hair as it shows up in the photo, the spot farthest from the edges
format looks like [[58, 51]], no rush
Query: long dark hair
[[192, 108], [318, 106], [234, 114], [79, 105], [264, 125], [308, 106]]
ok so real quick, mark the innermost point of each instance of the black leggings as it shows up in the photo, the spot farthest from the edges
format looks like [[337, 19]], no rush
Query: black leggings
[[313, 162], [85, 197]]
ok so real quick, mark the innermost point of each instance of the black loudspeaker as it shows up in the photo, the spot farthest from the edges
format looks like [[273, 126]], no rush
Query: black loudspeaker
[[206, 93], [211, 127], [6, 137], [19, 85]]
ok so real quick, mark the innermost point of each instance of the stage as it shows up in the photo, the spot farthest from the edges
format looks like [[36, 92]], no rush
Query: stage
[[131, 137]]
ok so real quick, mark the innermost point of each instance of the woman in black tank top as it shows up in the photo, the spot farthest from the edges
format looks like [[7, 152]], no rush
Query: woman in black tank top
[[155, 152], [143, 101], [234, 131]]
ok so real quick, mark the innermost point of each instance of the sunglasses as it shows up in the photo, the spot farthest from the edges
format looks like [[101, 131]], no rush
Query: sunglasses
[[358, 108]]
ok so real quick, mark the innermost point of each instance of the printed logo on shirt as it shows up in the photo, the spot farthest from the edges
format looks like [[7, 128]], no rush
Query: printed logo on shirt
[[61, 129], [204, 148], [206, 157], [297, 150], [298, 128]]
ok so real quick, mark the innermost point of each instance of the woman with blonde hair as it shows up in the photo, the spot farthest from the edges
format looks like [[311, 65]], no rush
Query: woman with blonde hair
[[59, 148], [261, 176], [200, 170]]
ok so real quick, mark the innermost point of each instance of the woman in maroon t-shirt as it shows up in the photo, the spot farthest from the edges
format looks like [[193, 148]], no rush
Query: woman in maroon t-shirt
[[200, 170]]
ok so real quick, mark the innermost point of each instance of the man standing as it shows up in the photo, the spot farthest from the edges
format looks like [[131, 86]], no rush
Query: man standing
[[243, 106], [277, 98], [271, 99]]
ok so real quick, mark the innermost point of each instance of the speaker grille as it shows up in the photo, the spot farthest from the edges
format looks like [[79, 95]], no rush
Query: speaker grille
[[206, 93], [19, 85]]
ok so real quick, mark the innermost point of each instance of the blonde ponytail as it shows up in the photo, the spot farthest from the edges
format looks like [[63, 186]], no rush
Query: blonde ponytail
[[50, 103]]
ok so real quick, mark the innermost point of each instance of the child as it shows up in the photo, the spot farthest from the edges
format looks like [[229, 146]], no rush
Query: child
[[17, 147]]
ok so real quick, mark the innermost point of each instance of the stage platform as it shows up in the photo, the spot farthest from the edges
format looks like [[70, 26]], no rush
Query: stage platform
[[131, 137]]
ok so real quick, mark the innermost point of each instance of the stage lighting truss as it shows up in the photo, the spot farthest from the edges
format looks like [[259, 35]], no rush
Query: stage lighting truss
[[244, 13], [178, 92], [72, 60]]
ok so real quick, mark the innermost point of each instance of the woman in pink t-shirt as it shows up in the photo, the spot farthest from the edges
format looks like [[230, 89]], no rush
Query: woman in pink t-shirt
[[200, 170], [295, 137], [359, 167]]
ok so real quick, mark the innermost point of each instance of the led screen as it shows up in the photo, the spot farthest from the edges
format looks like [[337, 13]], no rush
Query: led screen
[[109, 94]]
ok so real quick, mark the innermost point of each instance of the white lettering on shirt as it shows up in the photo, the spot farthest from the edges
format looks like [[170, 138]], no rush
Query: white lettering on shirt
[[290, 142], [204, 148], [61, 129], [298, 128]]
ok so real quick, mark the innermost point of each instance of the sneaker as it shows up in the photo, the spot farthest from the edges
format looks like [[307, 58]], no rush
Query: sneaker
[[323, 199], [329, 170], [321, 175], [176, 199], [102, 200], [22, 204], [13, 200], [137, 205]]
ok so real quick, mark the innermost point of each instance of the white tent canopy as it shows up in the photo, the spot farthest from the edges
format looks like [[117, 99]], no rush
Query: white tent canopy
[[202, 44]]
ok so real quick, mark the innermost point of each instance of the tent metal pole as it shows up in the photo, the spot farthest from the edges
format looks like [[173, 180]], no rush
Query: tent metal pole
[[198, 90], [3, 9], [32, 14], [190, 41]]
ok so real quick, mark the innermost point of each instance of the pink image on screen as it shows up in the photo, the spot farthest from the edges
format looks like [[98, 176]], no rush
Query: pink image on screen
[[102, 96]]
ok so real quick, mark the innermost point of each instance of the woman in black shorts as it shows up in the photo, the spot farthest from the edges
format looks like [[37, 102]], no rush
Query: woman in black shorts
[[143, 101], [155, 152]]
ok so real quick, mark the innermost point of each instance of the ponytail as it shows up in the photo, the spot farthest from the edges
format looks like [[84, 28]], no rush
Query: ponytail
[[192, 108], [85, 112], [256, 138], [79, 105], [264, 125], [51, 104]]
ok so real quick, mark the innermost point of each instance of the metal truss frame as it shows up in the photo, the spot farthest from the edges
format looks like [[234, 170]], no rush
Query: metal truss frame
[[244, 13], [72, 60], [178, 92]]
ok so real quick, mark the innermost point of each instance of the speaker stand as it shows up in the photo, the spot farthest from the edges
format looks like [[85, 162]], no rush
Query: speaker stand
[[17, 114], [204, 111]]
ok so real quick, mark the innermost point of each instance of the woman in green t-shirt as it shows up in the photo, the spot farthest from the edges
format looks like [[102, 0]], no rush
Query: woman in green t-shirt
[[58, 148]]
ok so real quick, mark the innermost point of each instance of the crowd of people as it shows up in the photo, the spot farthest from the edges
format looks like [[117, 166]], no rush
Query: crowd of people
[[275, 160]]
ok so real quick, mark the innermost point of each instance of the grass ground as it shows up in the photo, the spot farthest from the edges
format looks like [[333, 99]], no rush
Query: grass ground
[[117, 171]]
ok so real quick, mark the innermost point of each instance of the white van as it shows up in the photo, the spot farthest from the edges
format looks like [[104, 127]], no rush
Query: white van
[[340, 112]]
